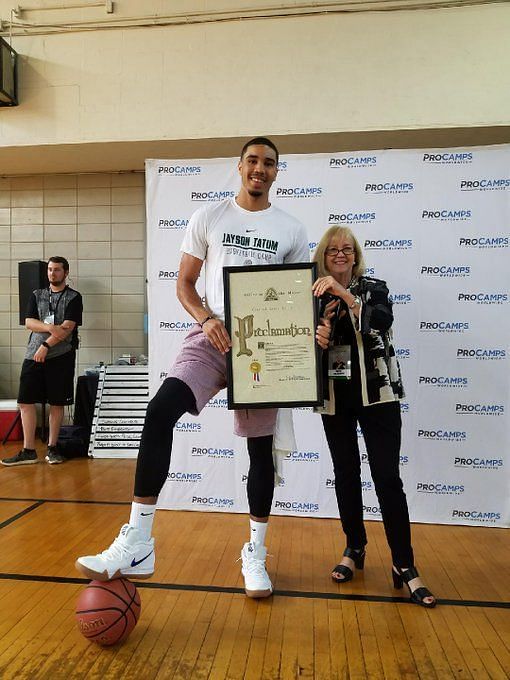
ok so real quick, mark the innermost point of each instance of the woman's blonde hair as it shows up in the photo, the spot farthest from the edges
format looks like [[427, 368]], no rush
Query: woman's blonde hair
[[341, 232]]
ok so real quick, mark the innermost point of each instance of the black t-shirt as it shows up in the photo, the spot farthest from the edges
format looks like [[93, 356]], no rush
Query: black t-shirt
[[65, 306], [73, 311]]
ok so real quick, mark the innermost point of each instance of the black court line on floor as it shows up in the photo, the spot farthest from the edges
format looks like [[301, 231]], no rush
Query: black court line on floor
[[310, 595], [18, 515], [37, 502]]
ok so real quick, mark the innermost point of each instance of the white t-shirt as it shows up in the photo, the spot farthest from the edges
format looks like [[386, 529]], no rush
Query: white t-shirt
[[225, 235]]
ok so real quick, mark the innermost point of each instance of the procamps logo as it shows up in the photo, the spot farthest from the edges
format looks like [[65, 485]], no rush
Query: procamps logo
[[213, 502], [478, 463], [484, 298], [388, 244], [299, 192], [303, 456], [401, 298], [484, 516], [217, 402], [482, 353], [449, 158], [444, 326], [440, 488], [353, 162], [211, 196], [444, 381], [164, 275], [480, 409], [485, 184], [403, 353], [176, 326], [173, 223], [447, 215], [389, 188], [212, 452], [179, 170], [358, 217], [442, 435], [301, 507], [484, 242], [185, 477], [188, 427], [449, 271]]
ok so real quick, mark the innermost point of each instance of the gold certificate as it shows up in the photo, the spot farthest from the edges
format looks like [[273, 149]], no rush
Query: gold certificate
[[271, 316]]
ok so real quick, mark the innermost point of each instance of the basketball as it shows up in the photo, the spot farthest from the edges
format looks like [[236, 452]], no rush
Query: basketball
[[107, 611]]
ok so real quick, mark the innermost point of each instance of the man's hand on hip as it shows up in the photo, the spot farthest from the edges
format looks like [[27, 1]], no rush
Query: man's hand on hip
[[217, 335]]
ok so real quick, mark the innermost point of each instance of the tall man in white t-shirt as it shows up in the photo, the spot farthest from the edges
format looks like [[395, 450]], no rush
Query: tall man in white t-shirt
[[247, 230]]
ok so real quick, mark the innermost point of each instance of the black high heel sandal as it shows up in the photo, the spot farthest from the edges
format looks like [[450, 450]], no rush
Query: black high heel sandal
[[419, 594], [357, 556]]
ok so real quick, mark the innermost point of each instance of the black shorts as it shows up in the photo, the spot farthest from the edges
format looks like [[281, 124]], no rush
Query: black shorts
[[50, 382]]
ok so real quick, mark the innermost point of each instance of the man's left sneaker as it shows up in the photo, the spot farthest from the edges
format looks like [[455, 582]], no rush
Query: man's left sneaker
[[256, 581], [130, 555], [53, 456]]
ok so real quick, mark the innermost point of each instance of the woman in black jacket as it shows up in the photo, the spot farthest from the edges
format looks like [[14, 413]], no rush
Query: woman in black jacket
[[363, 386]]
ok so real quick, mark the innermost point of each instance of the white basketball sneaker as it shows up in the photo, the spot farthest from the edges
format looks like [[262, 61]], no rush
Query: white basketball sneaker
[[256, 580], [129, 555]]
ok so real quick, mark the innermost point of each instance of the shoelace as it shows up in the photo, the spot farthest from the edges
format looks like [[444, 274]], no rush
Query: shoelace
[[255, 565], [116, 550]]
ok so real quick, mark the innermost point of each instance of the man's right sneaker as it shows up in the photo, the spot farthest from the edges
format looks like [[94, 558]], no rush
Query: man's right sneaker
[[23, 457], [54, 457], [256, 580], [129, 555]]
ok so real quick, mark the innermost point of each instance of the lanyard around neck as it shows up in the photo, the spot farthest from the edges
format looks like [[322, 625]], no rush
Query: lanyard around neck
[[53, 310]]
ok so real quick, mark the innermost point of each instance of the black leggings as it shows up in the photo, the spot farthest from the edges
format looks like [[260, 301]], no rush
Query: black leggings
[[260, 486], [173, 399], [381, 426]]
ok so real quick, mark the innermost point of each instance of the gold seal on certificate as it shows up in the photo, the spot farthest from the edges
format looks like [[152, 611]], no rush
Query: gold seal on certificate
[[271, 316]]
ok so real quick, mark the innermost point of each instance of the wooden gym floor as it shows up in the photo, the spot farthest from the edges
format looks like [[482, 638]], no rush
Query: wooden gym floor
[[196, 622]]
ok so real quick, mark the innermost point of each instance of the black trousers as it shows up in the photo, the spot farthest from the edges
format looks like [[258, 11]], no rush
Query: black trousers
[[171, 401], [381, 428]]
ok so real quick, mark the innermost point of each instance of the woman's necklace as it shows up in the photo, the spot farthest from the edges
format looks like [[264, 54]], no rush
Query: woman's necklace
[[352, 282]]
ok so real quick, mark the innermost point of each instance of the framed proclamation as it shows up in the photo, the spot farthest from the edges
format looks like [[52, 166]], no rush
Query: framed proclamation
[[271, 315]]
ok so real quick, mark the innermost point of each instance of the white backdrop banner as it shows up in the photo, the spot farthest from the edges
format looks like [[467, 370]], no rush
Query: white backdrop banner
[[435, 225]]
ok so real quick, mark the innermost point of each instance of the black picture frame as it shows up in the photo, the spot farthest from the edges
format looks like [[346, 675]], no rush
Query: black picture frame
[[265, 276]]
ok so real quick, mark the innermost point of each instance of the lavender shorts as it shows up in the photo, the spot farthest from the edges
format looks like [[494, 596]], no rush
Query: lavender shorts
[[204, 370]]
